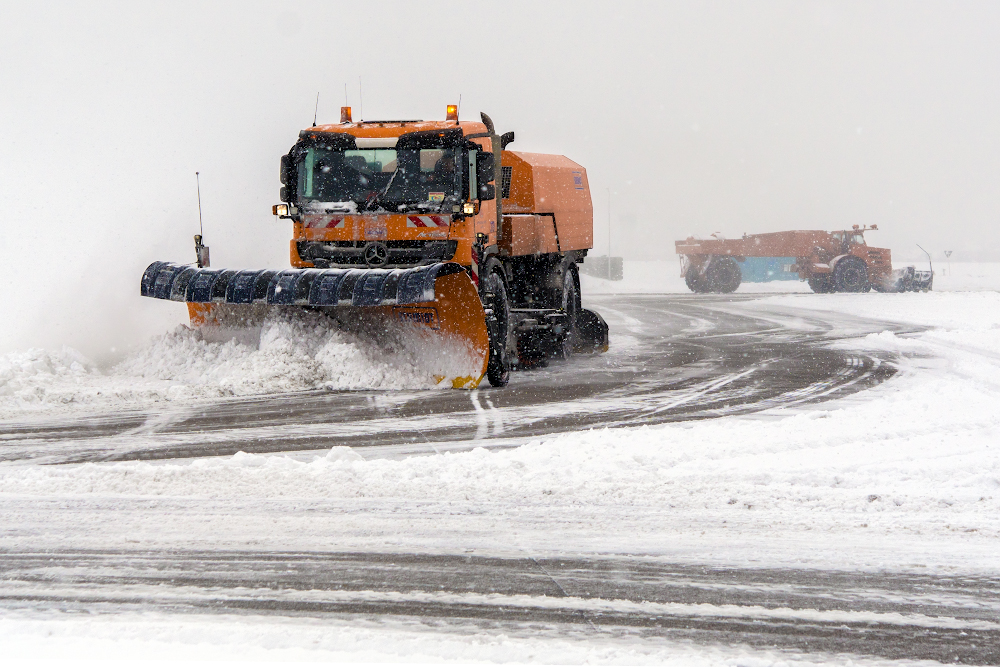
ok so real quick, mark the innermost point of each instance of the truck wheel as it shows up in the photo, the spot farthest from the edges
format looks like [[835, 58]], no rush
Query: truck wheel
[[498, 325], [693, 280], [820, 284], [723, 275], [850, 275], [570, 306]]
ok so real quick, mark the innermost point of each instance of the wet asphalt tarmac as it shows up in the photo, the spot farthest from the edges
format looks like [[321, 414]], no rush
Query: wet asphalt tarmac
[[673, 358], [895, 616]]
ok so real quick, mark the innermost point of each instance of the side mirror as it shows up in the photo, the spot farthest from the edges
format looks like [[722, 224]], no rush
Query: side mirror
[[484, 168], [287, 170], [487, 191], [286, 194]]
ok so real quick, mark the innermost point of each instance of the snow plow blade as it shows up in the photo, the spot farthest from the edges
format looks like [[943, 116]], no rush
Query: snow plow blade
[[435, 307], [907, 279]]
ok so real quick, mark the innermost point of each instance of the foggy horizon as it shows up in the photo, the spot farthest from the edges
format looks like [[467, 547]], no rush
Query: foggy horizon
[[695, 118]]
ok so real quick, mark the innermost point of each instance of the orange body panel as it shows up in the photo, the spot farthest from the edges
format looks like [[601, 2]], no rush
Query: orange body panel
[[556, 185], [528, 235]]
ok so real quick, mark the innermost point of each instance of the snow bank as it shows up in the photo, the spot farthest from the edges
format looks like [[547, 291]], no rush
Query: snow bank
[[218, 637], [966, 311], [290, 351], [25, 376]]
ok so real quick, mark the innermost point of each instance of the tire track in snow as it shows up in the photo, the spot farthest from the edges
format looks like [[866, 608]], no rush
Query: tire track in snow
[[889, 615], [688, 358]]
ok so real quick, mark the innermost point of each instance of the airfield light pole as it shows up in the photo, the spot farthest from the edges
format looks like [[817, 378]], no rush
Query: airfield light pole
[[947, 254], [609, 233]]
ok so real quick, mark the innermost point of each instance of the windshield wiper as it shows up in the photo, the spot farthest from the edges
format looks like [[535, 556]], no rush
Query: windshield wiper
[[378, 195]]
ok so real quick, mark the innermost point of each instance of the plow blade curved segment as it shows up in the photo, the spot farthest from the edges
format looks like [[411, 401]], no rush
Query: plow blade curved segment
[[434, 311]]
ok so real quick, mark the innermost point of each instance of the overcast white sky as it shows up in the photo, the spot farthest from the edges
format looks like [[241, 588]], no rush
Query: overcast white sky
[[697, 116]]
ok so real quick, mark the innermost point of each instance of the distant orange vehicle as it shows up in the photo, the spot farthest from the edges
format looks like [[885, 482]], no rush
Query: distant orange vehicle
[[401, 220], [837, 261]]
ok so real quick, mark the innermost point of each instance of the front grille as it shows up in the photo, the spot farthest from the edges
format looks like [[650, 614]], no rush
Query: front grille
[[388, 244], [402, 254]]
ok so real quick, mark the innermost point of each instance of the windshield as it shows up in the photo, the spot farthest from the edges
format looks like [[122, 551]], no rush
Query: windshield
[[381, 178]]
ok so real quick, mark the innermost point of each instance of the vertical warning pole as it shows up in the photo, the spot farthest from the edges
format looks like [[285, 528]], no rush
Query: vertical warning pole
[[477, 256]]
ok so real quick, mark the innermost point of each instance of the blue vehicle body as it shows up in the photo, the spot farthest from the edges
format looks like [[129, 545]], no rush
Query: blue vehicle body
[[767, 269]]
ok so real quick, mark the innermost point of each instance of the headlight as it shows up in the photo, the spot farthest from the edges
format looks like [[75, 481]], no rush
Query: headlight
[[469, 208], [280, 210]]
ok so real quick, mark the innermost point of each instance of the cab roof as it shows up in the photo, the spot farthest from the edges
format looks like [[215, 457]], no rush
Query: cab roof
[[394, 128]]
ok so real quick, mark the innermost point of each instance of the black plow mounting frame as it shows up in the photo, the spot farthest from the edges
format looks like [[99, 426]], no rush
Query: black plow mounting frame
[[294, 287]]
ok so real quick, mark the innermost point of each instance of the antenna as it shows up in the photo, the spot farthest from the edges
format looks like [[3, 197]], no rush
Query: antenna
[[459, 106], [316, 112], [609, 233], [346, 101], [197, 179], [361, 102], [200, 251]]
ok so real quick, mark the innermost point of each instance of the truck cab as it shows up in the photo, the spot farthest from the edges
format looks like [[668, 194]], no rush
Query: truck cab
[[400, 194], [389, 194]]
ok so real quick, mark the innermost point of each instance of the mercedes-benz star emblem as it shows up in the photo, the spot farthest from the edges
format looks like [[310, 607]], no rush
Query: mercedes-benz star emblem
[[376, 254]]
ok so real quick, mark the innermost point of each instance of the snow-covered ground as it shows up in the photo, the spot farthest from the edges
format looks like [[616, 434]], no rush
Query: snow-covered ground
[[905, 476], [135, 639], [899, 475], [291, 352]]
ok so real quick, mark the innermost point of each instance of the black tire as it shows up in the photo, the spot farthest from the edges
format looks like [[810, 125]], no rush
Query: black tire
[[850, 275], [571, 306], [820, 283], [723, 275], [694, 280], [497, 324]]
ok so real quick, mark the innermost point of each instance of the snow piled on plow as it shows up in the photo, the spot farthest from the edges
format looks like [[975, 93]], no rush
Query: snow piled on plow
[[292, 350]]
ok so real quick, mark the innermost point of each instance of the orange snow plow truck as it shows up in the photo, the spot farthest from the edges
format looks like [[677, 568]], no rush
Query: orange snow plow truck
[[410, 231], [838, 261]]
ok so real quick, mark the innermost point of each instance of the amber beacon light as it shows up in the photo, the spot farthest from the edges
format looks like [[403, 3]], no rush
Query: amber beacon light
[[452, 112], [345, 114]]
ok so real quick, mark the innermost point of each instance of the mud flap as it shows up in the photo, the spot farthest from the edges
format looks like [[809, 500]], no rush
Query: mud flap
[[541, 334], [591, 332], [436, 305]]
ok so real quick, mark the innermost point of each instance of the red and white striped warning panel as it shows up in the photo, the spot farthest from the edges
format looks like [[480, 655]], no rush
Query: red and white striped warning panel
[[323, 221], [427, 221]]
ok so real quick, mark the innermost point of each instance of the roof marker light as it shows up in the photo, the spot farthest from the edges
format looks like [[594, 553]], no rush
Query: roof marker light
[[345, 114], [452, 112]]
